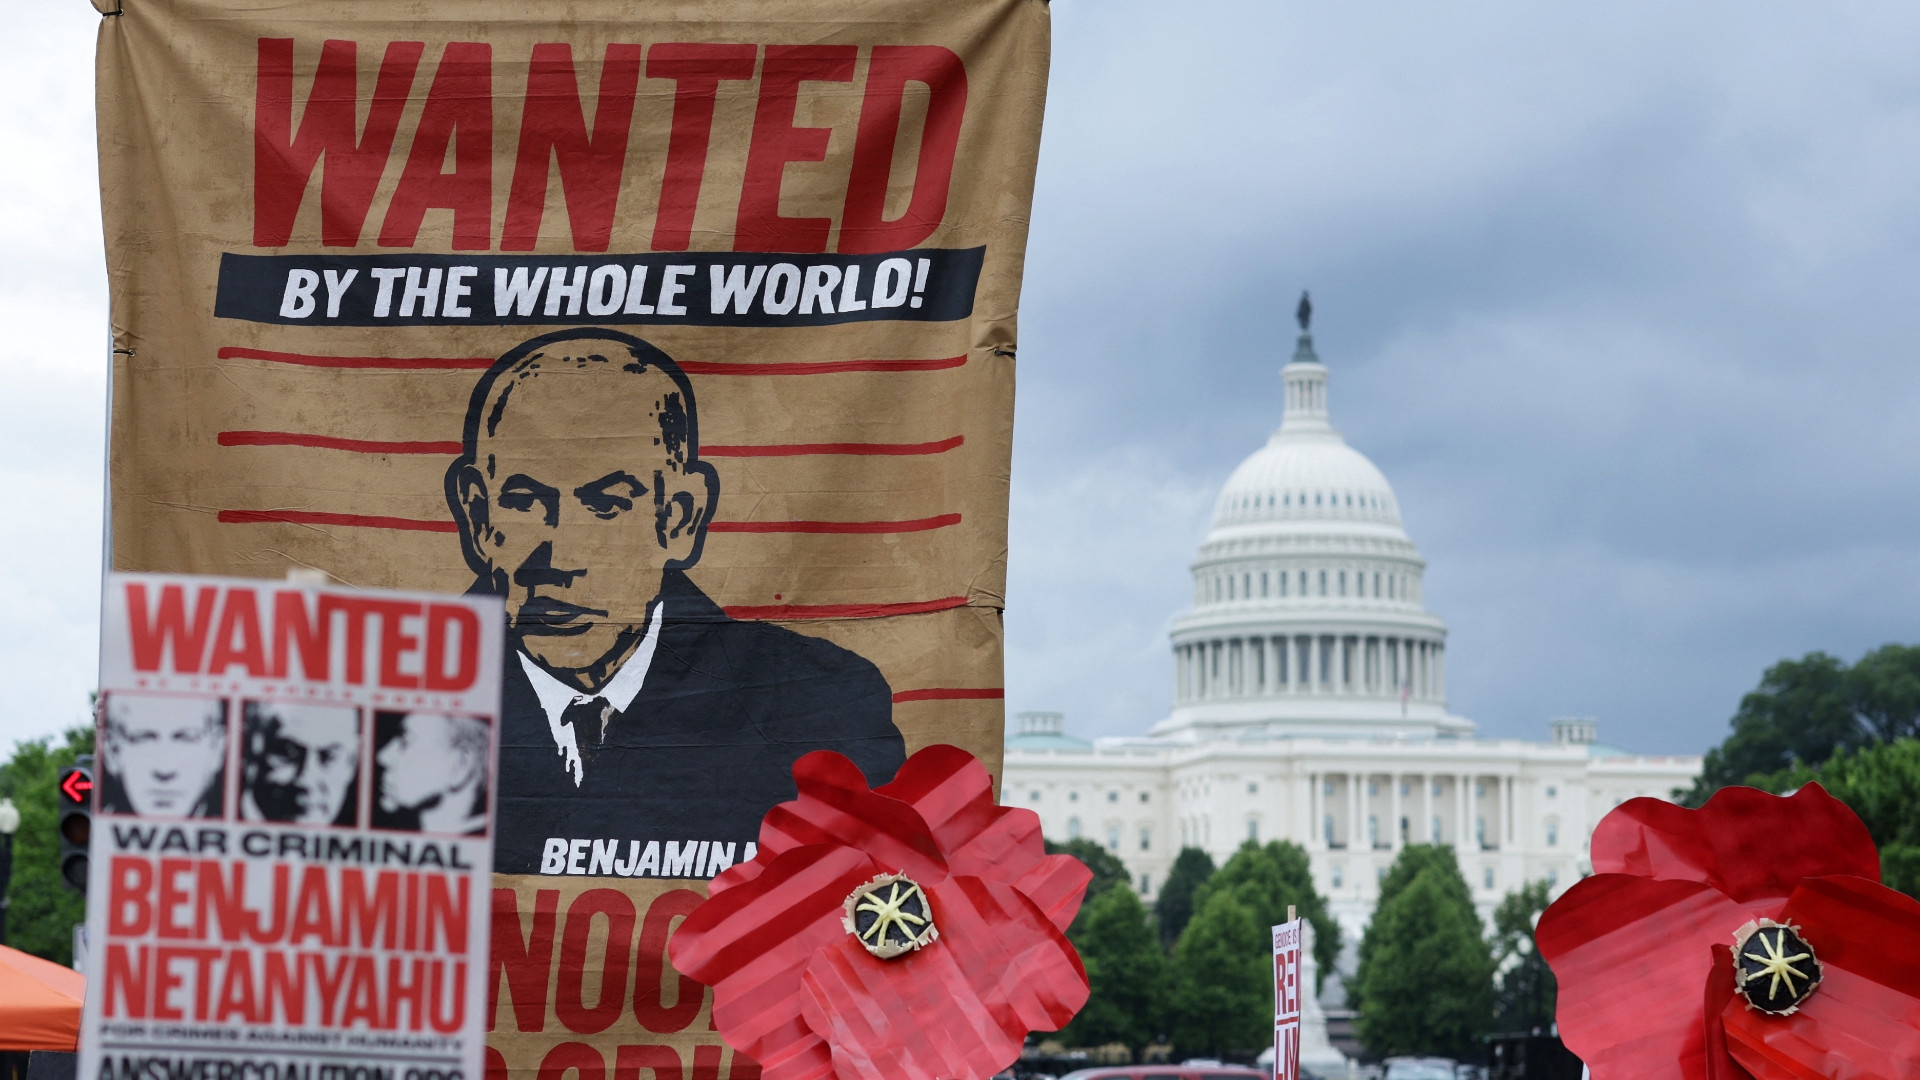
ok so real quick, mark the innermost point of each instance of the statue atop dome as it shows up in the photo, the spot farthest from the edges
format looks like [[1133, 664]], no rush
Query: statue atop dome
[[1303, 347]]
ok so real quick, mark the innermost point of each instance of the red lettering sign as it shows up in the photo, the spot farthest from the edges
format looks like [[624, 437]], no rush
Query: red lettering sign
[[593, 154]]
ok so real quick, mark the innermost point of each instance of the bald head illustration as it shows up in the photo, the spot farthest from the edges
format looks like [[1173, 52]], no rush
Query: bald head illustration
[[578, 486]]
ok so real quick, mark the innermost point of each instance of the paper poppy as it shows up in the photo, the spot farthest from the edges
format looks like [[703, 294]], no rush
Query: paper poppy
[[908, 932], [1750, 937]]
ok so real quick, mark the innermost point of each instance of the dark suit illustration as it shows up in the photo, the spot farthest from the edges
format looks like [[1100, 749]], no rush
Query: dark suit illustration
[[635, 711]]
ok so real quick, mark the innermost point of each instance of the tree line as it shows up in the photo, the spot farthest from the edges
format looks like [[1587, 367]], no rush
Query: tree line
[[1196, 972], [1855, 729]]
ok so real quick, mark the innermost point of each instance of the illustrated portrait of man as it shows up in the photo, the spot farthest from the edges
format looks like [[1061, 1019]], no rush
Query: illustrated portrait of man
[[300, 764], [165, 756], [634, 708], [430, 773]]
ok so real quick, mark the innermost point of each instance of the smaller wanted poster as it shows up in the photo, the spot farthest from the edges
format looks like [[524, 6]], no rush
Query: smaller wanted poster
[[293, 828]]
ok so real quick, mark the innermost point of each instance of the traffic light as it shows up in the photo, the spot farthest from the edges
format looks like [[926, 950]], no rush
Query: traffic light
[[76, 820]]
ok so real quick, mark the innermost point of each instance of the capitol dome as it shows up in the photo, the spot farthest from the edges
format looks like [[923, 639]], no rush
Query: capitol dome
[[1307, 614], [1294, 478]]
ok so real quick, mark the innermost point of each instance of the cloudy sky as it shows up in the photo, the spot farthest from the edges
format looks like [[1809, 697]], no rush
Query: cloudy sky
[[1619, 296]]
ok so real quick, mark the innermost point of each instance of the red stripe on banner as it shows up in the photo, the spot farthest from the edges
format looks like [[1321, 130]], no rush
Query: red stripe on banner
[[376, 521], [951, 693], [329, 442], [451, 447], [916, 525], [402, 363], [802, 449], [825, 367], [691, 367], [844, 611], [316, 517]]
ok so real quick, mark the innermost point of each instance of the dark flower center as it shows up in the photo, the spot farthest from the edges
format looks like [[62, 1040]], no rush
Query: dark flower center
[[890, 916], [1775, 969]]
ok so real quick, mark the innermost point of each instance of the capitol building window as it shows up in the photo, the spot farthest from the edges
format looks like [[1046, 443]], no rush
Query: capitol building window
[[1308, 658]]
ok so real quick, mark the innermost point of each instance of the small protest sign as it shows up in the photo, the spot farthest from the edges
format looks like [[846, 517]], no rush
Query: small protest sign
[[293, 844], [1286, 1000]]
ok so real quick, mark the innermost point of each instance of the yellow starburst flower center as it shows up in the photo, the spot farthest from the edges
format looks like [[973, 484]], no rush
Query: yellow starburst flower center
[[890, 916], [1774, 965]]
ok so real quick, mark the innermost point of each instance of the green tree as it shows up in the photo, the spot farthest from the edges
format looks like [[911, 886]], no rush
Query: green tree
[[1409, 864], [1223, 978], [1426, 981], [1174, 907], [1269, 879], [1802, 713], [1223, 961], [43, 911], [1852, 729], [1881, 783], [1523, 998], [1107, 870], [1414, 858], [1884, 689], [1129, 972]]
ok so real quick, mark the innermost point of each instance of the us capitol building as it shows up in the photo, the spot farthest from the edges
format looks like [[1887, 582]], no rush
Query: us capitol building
[[1310, 704]]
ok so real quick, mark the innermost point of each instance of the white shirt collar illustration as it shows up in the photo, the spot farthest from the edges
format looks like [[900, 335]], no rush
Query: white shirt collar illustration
[[555, 696]]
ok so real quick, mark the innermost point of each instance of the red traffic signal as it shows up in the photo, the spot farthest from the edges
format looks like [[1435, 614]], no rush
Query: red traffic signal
[[76, 820], [76, 786]]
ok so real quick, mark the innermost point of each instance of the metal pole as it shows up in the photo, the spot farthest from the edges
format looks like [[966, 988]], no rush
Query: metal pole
[[6, 879]]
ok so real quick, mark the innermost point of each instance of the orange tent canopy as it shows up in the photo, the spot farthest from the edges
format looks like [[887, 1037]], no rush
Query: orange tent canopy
[[39, 1003]]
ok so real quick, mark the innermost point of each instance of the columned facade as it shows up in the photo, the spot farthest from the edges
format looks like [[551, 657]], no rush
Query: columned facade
[[1220, 667]]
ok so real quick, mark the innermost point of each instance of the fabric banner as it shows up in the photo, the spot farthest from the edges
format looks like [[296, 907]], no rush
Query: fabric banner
[[685, 330], [291, 860], [1286, 1000]]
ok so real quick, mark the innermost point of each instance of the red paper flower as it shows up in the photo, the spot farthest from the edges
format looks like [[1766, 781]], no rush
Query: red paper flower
[[1643, 949], [795, 990]]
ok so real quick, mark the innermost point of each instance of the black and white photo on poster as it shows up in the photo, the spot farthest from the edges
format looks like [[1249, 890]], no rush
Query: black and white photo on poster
[[300, 763], [430, 772], [163, 755]]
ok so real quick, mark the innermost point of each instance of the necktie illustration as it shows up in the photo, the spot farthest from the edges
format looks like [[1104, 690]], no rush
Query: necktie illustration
[[590, 720]]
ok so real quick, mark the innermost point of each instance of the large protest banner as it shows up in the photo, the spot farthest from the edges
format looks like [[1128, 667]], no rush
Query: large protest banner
[[291, 864], [687, 330]]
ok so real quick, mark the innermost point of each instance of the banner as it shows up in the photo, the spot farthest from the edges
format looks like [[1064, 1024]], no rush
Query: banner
[[687, 331], [1287, 948], [291, 858]]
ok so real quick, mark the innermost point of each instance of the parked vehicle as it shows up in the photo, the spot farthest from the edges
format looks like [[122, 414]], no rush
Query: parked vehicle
[[1265, 1064], [1420, 1068], [1172, 1072]]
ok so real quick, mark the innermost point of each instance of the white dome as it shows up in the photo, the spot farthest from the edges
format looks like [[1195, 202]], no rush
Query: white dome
[[1306, 477], [1307, 614]]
